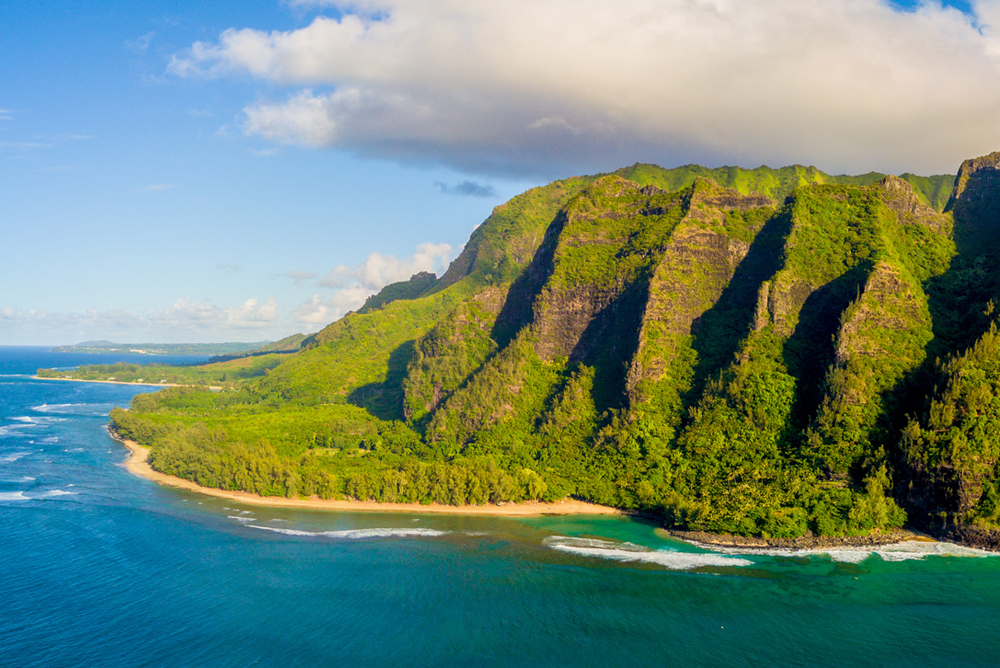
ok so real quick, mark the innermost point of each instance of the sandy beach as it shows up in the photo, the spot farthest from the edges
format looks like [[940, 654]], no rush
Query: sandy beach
[[139, 465], [125, 382]]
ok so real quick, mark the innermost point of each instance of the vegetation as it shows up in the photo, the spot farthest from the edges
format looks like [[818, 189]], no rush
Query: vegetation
[[758, 352]]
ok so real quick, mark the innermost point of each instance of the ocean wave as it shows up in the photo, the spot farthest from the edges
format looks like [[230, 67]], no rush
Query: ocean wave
[[52, 408], [21, 496], [908, 550], [55, 493], [94, 410], [358, 534], [630, 552], [12, 457], [239, 518], [26, 421]]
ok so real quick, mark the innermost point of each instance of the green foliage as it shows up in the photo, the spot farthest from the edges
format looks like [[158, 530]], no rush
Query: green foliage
[[734, 363], [215, 374], [446, 357], [953, 444], [411, 289]]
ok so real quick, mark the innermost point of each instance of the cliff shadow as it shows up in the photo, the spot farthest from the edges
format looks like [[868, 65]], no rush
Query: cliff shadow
[[810, 350], [385, 400], [717, 333], [957, 298], [518, 308], [609, 342]]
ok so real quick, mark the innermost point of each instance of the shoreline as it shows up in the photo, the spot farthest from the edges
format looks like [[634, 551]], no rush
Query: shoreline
[[751, 543], [124, 382], [138, 465]]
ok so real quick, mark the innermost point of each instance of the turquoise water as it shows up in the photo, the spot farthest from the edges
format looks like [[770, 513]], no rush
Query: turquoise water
[[101, 568]]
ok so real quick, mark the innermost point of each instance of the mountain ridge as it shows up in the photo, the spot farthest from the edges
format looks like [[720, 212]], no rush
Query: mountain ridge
[[763, 359]]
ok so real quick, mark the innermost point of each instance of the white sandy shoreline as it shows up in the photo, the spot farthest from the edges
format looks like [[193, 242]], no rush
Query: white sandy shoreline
[[125, 382]]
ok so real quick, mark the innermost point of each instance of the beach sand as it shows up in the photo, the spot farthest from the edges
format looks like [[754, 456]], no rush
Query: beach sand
[[126, 382], [139, 465]]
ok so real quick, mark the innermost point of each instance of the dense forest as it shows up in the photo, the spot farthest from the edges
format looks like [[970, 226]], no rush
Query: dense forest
[[756, 352]]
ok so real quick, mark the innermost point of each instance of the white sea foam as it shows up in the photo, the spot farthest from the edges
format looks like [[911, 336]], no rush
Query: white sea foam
[[903, 551], [629, 552], [55, 493], [52, 408], [12, 496], [28, 421], [98, 410], [359, 534], [240, 519], [12, 457]]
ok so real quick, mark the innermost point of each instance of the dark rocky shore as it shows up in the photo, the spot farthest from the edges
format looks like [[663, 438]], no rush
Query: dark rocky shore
[[802, 542]]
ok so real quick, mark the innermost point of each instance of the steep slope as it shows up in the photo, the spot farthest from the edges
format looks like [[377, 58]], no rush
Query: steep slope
[[742, 351]]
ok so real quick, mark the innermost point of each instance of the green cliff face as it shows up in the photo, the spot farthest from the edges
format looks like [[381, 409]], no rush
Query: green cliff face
[[766, 352]]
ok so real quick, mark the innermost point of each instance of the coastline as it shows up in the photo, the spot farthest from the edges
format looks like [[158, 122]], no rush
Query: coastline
[[138, 464], [124, 382], [750, 543]]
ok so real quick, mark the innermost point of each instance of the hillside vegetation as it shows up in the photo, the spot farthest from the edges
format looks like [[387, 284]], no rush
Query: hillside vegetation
[[757, 352]]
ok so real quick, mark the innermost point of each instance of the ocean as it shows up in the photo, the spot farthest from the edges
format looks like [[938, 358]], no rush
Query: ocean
[[101, 568]]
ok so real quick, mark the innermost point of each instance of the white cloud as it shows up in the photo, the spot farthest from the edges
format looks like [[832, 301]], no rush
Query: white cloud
[[534, 85], [185, 320], [188, 315], [317, 312], [379, 270], [299, 276], [140, 45], [352, 285]]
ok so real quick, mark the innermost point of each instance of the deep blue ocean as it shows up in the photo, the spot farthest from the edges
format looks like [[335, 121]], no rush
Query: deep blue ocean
[[102, 568]]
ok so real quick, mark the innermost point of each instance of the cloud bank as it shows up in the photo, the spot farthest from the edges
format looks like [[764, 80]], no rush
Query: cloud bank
[[342, 289], [545, 86], [183, 321], [352, 285], [466, 189]]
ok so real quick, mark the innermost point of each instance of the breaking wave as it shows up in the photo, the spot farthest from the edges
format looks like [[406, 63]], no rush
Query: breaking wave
[[358, 534], [93, 410], [908, 550], [21, 496], [630, 552]]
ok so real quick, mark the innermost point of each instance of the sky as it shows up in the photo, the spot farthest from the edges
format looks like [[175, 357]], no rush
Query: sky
[[221, 171]]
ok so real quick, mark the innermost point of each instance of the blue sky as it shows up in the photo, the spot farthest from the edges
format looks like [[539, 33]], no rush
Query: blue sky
[[207, 171]]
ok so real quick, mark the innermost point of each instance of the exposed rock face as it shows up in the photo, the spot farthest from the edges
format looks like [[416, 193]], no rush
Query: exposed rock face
[[696, 267], [903, 200], [977, 179], [589, 248], [975, 203], [888, 308]]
